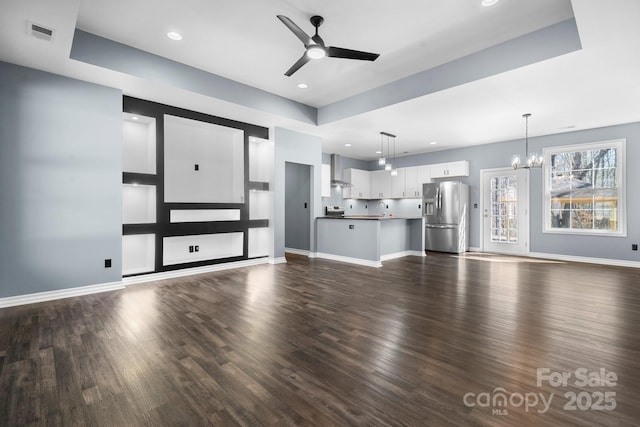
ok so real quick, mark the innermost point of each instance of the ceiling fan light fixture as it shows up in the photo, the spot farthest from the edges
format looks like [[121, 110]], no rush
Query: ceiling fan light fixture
[[316, 52], [173, 35], [489, 3]]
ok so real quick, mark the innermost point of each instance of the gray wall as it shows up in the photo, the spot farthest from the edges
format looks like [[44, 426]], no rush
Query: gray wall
[[295, 147], [499, 155], [61, 171], [297, 213]]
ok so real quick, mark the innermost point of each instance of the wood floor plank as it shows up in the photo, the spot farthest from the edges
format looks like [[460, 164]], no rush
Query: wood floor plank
[[315, 342]]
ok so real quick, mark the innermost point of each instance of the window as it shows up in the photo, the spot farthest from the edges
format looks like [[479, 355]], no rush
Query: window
[[584, 189]]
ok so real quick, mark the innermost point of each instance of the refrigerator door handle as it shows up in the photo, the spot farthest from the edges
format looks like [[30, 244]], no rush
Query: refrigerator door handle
[[441, 227]]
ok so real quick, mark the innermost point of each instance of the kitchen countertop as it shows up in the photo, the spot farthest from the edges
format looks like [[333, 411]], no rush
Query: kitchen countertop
[[371, 217]]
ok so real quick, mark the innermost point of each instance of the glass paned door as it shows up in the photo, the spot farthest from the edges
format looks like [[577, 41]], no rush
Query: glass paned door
[[505, 196], [504, 209]]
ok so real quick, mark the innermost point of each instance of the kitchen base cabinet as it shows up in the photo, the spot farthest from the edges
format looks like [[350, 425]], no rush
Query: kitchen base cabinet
[[201, 247]]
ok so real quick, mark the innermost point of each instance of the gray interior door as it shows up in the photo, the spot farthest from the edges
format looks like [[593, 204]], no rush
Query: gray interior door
[[297, 214]]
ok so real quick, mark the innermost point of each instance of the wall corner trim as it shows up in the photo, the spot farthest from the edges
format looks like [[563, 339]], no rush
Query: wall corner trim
[[59, 294], [278, 260]]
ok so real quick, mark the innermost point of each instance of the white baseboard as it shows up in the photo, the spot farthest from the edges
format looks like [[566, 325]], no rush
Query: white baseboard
[[589, 260], [474, 249], [191, 271], [297, 251], [401, 254], [62, 293], [350, 260], [279, 260]]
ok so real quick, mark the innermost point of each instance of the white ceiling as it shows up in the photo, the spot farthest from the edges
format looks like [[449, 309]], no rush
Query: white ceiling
[[244, 41]]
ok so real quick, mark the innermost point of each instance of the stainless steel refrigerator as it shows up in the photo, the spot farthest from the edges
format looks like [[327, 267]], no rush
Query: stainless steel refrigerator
[[445, 207]]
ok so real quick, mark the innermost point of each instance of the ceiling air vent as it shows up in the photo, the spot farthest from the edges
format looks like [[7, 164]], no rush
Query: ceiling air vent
[[39, 32]]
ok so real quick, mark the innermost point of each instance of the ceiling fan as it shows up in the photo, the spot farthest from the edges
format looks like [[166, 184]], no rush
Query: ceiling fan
[[315, 47]]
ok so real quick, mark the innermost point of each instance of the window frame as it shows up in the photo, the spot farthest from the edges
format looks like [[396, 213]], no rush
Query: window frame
[[621, 186]]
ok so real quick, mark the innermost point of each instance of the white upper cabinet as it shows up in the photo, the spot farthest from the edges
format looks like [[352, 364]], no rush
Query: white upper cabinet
[[203, 162], [326, 181], [398, 184], [415, 176], [451, 169], [360, 184], [380, 184]]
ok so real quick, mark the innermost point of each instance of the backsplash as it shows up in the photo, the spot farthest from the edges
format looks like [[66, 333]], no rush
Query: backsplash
[[395, 207]]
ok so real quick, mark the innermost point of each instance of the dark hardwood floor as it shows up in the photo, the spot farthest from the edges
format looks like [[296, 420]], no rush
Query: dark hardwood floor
[[421, 342]]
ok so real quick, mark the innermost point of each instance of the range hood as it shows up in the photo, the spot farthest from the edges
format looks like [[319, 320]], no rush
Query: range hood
[[336, 172]]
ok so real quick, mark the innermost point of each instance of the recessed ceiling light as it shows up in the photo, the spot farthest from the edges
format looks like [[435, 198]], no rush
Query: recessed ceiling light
[[174, 36], [378, 152], [302, 85], [347, 145], [487, 3], [134, 118], [433, 143]]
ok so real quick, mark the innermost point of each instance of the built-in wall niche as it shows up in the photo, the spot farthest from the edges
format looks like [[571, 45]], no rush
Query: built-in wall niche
[[203, 162], [259, 239], [259, 204], [138, 144], [138, 204], [203, 215], [201, 247], [138, 253], [260, 159]]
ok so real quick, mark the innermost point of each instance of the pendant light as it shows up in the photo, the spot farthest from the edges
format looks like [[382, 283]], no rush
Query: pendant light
[[388, 166], [382, 160], [533, 160], [394, 170]]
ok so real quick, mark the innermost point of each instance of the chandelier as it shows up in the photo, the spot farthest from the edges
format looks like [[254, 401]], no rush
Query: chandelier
[[533, 160]]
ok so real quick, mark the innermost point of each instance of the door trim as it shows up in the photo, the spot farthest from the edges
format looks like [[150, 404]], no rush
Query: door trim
[[483, 191]]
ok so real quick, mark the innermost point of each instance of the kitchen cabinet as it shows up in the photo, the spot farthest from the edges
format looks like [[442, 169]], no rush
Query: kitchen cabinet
[[449, 170], [203, 162], [415, 176], [398, 184], [325, 190], [360, 181], [380, 184]]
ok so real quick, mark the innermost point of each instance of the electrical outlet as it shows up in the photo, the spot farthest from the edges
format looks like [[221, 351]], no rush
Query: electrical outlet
[[475, 206], [196, 167], [634, 247], [387, 206], [197, 248], [419, 206], [351, 226], [107, 263], [191, 248]]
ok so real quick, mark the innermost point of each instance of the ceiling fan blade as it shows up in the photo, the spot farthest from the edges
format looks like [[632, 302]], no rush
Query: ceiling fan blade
[[304, 38], [339, 52], [318, 40], [299, 63]]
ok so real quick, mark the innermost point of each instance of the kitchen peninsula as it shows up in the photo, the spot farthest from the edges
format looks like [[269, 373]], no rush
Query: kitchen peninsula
[[369, 239]]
